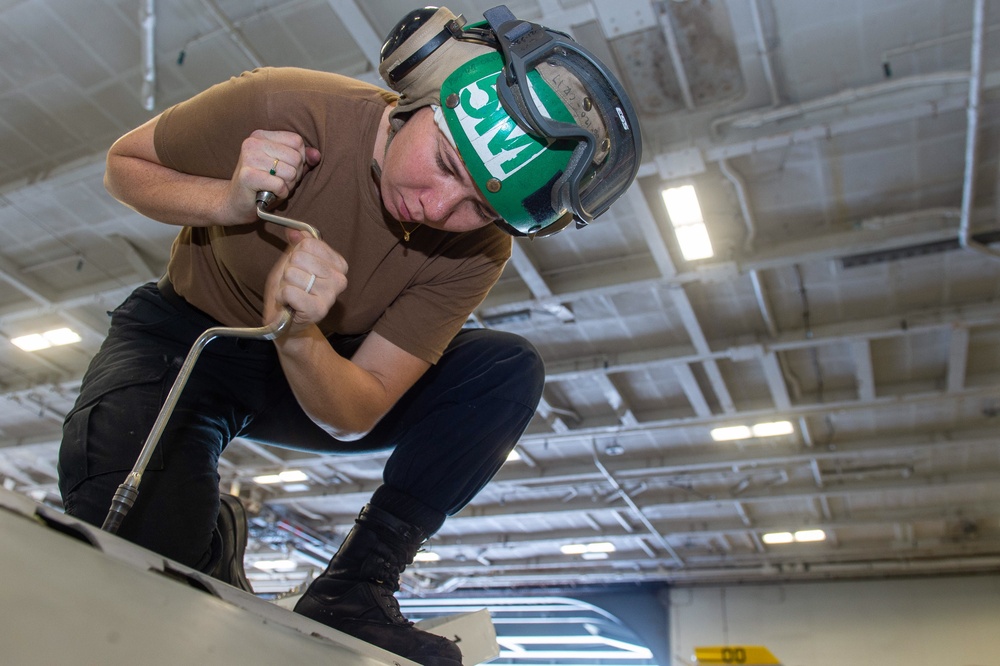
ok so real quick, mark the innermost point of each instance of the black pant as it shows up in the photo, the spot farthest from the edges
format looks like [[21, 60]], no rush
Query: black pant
[[449, 434]]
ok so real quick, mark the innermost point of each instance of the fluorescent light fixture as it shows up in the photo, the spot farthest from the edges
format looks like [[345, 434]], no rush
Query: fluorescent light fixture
[[295, 487], [32, 342], [802, 536], [682, 205], [54, 338], [594, 556], [61, 336], [513, 455], [778, 537], [773, 429], [288, 476], [426, 556], [688, 222], [810, 535], [585, 549], [275, 565], [730, 433], [694, 241]]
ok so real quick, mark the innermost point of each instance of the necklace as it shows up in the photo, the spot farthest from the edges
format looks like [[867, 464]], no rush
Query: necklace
[[407, 232], [377, 173]]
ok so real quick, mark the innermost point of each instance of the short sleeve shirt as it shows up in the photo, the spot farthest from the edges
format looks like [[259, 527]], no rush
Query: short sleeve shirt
[[417, 294]]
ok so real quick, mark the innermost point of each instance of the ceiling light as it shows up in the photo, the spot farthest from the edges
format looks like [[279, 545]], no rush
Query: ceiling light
[[32, 342], [778, 537], [802, 536], [288, 476], [682, 205], [769, 429], [275, 565], [585, 549], [594, 556], [689, 225], [730, 433], [773, 429], [694, 241], [53, 338], [614, 449], [810, 535], [61, 336], [426, 556], [513, 455]]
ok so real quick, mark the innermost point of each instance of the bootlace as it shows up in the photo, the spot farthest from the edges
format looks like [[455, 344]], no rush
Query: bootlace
[[391, 604]]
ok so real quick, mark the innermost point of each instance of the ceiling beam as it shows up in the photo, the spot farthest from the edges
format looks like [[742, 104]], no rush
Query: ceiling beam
[[360, 29], [958, 357]]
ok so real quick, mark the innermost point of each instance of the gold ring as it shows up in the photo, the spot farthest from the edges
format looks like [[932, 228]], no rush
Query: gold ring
[[274, 167]]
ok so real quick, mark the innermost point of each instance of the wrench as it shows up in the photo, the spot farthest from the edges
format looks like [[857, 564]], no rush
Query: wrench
[[128, 491]]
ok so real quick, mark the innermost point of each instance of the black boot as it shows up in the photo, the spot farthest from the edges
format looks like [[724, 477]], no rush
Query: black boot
[[355, 593], [229, 543]]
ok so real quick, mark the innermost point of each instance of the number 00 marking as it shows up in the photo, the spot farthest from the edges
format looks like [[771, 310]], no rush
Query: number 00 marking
[[734, 655]]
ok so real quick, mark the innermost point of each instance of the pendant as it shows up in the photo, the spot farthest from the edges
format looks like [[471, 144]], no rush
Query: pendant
[[406, 236]]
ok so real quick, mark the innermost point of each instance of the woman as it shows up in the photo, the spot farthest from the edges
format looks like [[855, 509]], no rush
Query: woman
[[415, 198]]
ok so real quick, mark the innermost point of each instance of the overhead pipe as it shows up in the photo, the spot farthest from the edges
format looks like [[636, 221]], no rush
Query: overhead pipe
[[718, 572], [748, 220], [972, 134], [636, 510], [755, 119], [147, 21], [889, 54]]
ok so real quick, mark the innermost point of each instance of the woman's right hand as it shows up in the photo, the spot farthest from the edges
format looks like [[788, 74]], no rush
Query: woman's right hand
[[272, 161], [136, 177]]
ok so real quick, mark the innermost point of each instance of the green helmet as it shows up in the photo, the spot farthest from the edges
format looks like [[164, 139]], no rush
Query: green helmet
[[545, 130]]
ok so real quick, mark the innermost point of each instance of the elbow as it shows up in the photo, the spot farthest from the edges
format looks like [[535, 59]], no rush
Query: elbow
[[343, 434], [108, 180], [112, 176], [348, 432], [108, 185]]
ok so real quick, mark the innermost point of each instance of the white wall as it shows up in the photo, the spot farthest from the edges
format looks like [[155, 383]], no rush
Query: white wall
[[918, 622]]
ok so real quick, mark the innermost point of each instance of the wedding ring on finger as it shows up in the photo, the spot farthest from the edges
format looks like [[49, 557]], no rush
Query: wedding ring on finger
[[312, 281], [274, 167]]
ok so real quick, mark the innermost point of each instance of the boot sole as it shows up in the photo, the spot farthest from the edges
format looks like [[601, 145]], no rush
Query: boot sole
[[232, 513]]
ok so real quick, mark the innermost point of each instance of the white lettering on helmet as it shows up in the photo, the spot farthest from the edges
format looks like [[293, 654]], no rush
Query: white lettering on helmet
[[621, 115], [500, 144]]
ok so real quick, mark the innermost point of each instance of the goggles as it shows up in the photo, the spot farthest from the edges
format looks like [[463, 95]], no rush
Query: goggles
[[585, 189]]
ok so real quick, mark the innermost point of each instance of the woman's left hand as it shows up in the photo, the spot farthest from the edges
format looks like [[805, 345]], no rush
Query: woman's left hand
[[307, 279]]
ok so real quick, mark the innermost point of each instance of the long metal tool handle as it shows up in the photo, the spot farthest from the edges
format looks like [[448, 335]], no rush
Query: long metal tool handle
[[128, 491]]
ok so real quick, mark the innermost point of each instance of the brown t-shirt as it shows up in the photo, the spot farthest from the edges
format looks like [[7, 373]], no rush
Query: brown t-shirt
[[416, 294]]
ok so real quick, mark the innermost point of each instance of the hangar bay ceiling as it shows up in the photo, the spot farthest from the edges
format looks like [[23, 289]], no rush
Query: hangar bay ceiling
[[844, 155]]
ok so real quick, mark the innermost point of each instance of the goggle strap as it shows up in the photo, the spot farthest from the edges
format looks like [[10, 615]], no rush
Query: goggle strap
[[512, 100], [498, 17]]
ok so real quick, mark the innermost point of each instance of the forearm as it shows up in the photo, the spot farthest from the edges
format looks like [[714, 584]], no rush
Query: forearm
[[165, 195], [338, 395], [268, 160], [135, 176]]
